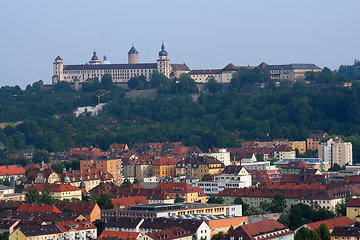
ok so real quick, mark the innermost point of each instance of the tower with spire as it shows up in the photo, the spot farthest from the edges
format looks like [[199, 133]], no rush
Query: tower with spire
[[163, 63], [133, 56]]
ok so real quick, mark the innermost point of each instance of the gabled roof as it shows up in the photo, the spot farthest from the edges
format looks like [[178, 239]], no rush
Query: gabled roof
[[120, 235], [267, 229], [10, 170], [190, 225], [343, 221], [169, 233], [179, 67], [84, 208], [297, 165], [346, 231], [178, 187], [53, 187], [124, 222], [38, 208], [81, 225]]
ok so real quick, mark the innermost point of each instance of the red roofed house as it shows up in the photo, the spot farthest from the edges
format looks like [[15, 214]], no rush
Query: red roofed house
[[91, 211], [38, 208], [81, 229], [164, 167], [343, 221], [126, 202], [120, 235], [267, 229], [58, 191], [177, 233], [353, 209], [16, 171], [183, 190], [293, 167]]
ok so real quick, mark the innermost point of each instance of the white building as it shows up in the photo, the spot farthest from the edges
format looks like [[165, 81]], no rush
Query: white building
[[336, 151], [223, 156], [89, 109], [120, 72]]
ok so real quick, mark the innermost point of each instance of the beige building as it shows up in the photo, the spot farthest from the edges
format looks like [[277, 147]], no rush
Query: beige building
[[121, 73], [58, 191], [290, 73], [37, 232], [336, 151], [223, 156]]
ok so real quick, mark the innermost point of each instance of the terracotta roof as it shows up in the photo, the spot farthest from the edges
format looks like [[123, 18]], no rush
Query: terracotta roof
[[40, 216], [38, 208], [331, 223], [120, 235], [179, 67], [267, 229], [169, 233], [190, 225], [46, 165], [53, 187], [178, 187], [10, 170], [297, 165], [128, 201], [84, 208], [164, 161], [82, 225]]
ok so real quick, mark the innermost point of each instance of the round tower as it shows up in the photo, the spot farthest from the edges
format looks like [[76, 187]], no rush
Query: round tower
[[133, 56]]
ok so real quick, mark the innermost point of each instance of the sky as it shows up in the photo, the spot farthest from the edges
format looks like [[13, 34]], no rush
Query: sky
[[202, 34]]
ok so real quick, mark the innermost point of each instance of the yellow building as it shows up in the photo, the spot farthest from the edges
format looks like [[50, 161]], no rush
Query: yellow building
[[113, 166], [58, 191], [183, 190], [198, 166], [36, 232], [299, 145], [353, 209], [164, 167]]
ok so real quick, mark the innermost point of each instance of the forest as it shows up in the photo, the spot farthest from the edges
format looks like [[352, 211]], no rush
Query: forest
[[214, 118]]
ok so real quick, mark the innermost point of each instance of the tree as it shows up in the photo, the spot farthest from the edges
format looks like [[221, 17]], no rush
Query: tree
[[305, 233], [278, 204], [126, 183], [340, 208], [107, 81], [244, 206], [218, 200], [231, 228], [46, 197], [4, 236], [217, 236], [213, 86], [185, 84], [41, 156], [178, 199], [100, 225], [324, 232], [32, 196], [104, 201], [62, 87]]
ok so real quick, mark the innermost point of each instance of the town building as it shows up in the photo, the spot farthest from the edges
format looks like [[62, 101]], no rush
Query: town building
[[89, 210], [290, 73], [58, 191], [314, 140], [121, 235], [8, 225], [199, 166], [222, 155], [336, 151], [81, 229], [267, 229], [183, 191], [293, 167], [348, 233], [315, 163], [164, 167], [353, 209], [125, 202], [343, 221], [175, 233], [121, 73], [8, 171], [262, 171], [37, 232], [8, 194]]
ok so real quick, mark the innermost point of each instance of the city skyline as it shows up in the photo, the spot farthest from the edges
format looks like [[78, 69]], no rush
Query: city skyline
[[201, 34]]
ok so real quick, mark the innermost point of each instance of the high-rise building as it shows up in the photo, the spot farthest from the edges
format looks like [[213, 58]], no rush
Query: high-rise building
[[336, 151]]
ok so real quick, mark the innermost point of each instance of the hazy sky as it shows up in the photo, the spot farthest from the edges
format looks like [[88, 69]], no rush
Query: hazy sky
[[202, 34]]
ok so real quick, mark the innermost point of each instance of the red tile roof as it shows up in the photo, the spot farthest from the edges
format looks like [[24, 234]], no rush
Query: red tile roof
[[38, 208], [120, 235], [331, 223], [82, 225], [128, 201], [10, 170], [178, 187], [354, 202], [164, 161], [84, 208], [299, 164], [169, 233], [267, 229], [53, 187]]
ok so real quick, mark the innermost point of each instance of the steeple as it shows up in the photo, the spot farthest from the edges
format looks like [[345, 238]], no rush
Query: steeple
[[162, 53]]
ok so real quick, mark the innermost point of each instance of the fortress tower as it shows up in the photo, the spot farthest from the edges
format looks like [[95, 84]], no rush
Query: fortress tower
[[133, 56], [163, 63]]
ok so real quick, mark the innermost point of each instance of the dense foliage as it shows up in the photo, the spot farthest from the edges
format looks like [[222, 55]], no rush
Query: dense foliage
[[212, 120]]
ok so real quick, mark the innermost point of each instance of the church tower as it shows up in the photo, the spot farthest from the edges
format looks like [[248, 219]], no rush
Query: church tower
[[94, 60], [133, 56], [58, 73], [163, 63]]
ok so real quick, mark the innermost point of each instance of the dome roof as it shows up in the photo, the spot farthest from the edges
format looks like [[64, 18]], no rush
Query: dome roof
[[133, 51], [162, 53], [94, 57], [58, 58], [66, 179]]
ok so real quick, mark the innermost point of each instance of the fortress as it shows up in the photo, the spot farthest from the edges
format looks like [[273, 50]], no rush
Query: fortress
[[121, 73]]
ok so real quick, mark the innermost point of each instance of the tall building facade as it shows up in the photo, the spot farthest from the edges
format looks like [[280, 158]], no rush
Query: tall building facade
[[120, 72], [336, 151]]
